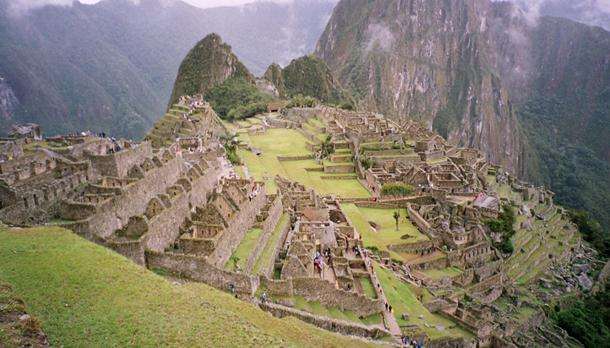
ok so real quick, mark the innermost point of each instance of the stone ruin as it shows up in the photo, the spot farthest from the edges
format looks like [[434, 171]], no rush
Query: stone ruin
[[174, 204]]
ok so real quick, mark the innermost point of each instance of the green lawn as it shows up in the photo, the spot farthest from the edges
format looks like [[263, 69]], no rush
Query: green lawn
[[335, 313], [88, 296], [244, 249], [441, 273], [387, 233], [403, 300], [289, 142], [267, 255], [367, 287]]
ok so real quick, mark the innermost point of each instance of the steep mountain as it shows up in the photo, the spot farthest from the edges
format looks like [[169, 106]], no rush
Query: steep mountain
[[309, 76], [111, 66], [532, 92], [8, 101], [428, 60], [208, 64], [275, 75]]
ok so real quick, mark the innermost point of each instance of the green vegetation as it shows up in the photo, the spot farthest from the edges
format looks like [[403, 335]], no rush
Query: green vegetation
[[309, 76], [386, 233], [396, 189], [267, 255], [237, 99], [367, 287], [238, 260], [588, 319], [86, 295], [366, 162], [326, 147], [230, 146], [504, 225], [300, 101], [570, 160], [289, 142], [592, 232], [404, 300], [206, 66], [335, 313], [441, 273]]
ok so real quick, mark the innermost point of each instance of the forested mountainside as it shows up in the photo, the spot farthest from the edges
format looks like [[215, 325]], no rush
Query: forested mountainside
[[532, 94], [111, 66], [308, 76], [208, 64]]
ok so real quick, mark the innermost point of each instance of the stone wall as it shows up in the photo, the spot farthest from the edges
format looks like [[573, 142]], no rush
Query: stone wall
[[112, 214], [118, 164], [419, 221], [197, 269], [279, 288], [424, 247], [340, 326], [237, 229], [268, 226], [313, 289]]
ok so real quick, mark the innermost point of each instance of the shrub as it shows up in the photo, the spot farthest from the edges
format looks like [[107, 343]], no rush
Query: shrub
[[300, 101], [504, 225], [366, 162], [244, 111], [236, 97], [396, 189]]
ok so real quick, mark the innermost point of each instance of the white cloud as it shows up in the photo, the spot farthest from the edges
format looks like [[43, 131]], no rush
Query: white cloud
[[22, 6]]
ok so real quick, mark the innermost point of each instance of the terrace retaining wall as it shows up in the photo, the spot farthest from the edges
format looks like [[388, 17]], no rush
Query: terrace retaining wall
[[340, 326]]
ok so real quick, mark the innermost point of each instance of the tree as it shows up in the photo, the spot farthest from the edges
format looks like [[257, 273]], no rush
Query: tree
[[326, 147], [396, 217]]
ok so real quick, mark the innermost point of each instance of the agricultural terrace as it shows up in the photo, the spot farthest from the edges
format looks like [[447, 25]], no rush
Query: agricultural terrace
[[404, 300], [289, 142], [385, 233], [87, 295]]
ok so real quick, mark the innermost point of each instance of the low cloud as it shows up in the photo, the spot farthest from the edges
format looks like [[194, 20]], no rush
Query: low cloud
[[379, 36], [592, 12], [18, 7]]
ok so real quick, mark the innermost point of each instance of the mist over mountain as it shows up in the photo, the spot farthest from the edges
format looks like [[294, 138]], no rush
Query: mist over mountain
[[531, 91], [590, 12], [111, 66]]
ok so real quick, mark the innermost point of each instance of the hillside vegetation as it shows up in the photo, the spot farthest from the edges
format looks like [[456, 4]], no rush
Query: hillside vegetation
[[86, 295], [210, 63]]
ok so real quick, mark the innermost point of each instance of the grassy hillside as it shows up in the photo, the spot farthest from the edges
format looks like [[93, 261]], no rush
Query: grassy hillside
[[86, 295]]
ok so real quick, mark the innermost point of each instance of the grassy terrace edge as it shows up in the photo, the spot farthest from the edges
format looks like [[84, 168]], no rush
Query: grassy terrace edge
[[86, 295]]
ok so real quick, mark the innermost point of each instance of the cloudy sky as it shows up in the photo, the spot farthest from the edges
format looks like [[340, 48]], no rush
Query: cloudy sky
[[200, 3]]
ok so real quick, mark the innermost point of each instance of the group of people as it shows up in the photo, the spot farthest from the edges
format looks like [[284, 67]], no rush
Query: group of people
[[410, 343]]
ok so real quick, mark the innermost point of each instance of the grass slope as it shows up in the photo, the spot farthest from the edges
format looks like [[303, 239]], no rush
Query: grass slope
[[86, 295], [403, 300]]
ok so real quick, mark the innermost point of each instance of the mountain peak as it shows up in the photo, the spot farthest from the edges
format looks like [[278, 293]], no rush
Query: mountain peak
[[209, 63]]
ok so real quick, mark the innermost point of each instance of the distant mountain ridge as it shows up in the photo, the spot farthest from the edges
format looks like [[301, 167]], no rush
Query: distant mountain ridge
[[111, 66]]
